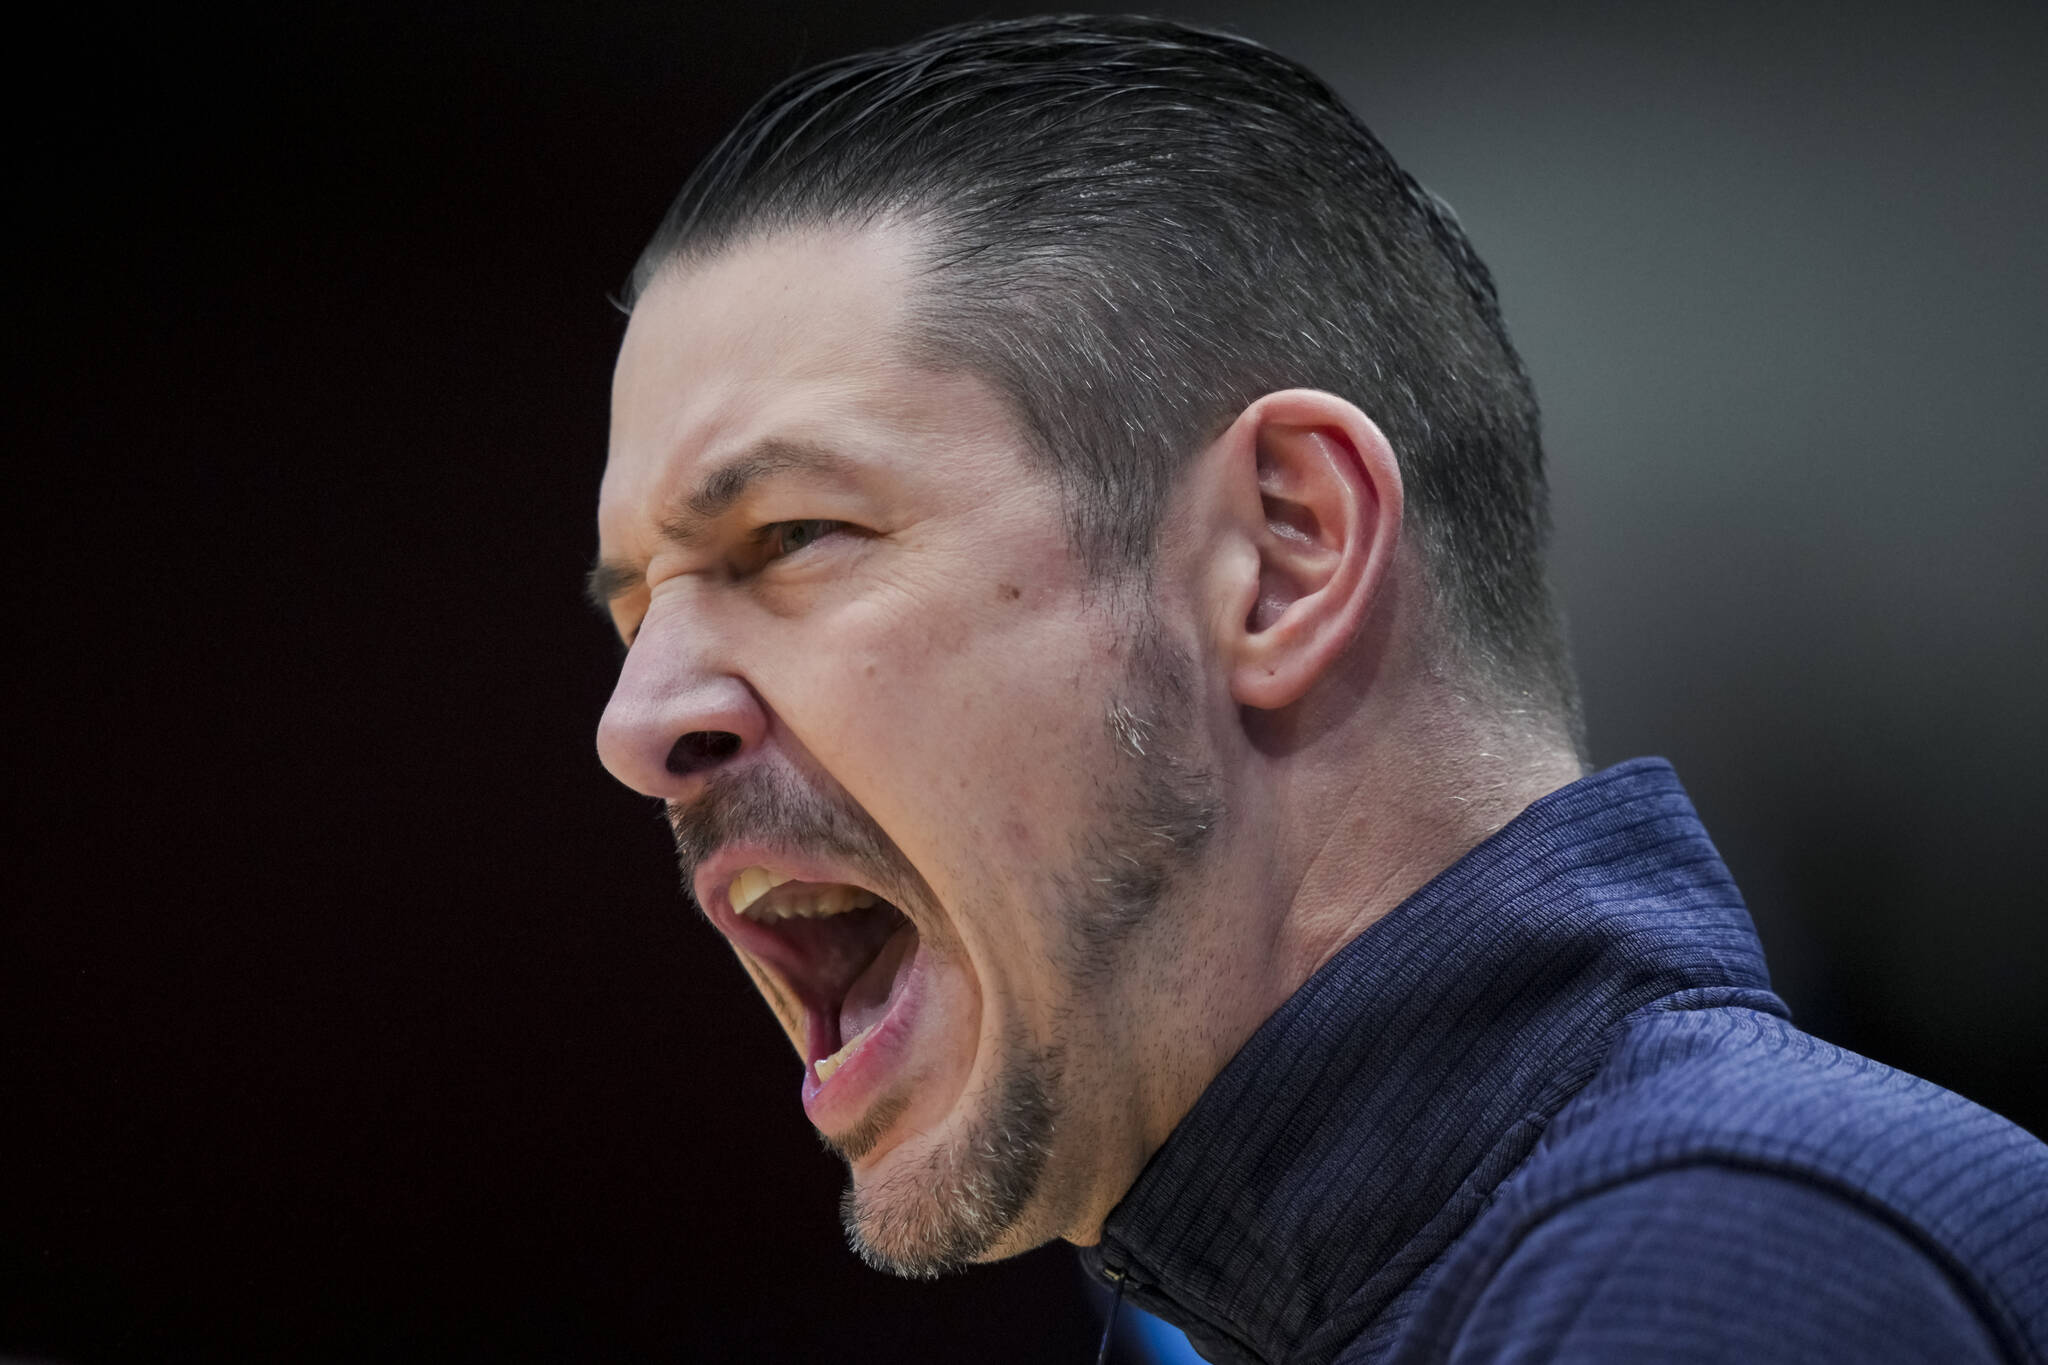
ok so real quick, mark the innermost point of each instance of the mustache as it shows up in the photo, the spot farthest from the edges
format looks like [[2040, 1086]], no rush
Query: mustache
[[775, 809]]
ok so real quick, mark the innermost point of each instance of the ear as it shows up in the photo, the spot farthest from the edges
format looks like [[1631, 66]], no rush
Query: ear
[[1312, 511]]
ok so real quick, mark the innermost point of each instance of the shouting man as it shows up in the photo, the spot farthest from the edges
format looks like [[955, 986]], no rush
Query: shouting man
[[1078, 524]]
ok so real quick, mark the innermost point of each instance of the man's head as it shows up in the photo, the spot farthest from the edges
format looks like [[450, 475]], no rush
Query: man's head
[[1017, 587], [1133, 229]]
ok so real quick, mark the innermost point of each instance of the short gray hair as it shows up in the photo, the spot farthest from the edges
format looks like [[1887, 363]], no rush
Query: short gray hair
[[1136, 229]]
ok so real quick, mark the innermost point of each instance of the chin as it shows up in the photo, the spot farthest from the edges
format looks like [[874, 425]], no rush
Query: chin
[[971, 1190]]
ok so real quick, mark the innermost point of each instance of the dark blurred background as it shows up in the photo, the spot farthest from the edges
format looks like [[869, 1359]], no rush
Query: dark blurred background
[[352, 1010]]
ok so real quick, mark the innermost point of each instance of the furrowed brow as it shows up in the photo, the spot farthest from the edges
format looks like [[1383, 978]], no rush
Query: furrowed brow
[[689, 523], [726, 485], [608, 581]]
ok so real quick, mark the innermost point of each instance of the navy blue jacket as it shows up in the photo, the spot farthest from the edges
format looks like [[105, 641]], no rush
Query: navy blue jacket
[[1548, 1109]]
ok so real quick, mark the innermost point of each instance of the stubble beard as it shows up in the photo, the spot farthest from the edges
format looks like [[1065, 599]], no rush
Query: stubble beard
[[970, 1195], [963, 1198]]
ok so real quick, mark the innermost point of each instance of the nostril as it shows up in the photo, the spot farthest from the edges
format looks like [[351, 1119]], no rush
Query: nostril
[[702, 749]]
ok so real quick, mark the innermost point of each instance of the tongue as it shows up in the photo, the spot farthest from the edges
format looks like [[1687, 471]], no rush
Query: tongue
[[867, 999]]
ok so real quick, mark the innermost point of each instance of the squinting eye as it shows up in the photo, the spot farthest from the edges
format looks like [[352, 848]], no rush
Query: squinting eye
[[787, 537]]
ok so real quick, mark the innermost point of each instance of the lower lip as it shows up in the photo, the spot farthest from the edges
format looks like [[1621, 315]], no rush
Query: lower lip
[[837, 1105]]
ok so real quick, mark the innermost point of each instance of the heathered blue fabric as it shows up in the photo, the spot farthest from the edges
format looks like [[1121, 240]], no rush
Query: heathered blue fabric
[[1548, 1109]]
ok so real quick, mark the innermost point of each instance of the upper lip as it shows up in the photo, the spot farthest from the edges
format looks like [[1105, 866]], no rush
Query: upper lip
[[715, 874], [759, 941]]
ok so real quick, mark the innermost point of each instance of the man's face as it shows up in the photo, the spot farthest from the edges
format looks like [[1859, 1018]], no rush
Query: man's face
[[930, 780]]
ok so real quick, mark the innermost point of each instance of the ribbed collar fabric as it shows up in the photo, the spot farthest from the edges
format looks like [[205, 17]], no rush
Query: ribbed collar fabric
[[1364, 1125]]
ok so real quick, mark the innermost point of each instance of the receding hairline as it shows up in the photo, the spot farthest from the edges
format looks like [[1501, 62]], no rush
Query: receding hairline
[[910, 237], [915, 227]]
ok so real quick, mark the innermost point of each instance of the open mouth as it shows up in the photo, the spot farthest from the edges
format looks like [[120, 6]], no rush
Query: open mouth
[[841, 951]]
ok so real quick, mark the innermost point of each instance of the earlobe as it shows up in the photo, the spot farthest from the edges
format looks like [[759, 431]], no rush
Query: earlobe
[[1328, 519]]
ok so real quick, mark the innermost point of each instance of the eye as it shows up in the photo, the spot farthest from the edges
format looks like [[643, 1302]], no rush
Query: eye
[[787, 537]]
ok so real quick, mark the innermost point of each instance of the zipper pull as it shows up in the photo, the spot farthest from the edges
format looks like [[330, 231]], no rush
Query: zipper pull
[[1115, 1277]]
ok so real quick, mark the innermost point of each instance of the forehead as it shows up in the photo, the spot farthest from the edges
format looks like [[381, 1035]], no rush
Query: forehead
[[794, 337]]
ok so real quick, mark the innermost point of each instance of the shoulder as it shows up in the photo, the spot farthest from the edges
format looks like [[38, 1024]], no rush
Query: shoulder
[[1726, 1180], [1740, 1084], [1724, 1091], [1714, 1263], [1736, 1088]]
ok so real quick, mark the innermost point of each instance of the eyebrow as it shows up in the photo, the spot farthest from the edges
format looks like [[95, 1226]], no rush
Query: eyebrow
[[688, 521]]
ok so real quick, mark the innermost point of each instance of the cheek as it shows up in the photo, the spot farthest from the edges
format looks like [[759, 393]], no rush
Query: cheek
[[975, 742]]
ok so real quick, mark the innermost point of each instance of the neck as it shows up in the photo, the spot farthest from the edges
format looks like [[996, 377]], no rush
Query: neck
[[1398, 803], [1335, 823]]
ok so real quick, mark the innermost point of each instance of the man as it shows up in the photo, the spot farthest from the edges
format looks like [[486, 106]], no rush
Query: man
[[1077, 520]]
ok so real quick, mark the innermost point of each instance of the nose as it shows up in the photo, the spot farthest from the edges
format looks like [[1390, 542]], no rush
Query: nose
[[674, 717]]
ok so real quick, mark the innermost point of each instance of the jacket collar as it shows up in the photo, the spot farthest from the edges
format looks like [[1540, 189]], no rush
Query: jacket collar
[[1363, 1126]]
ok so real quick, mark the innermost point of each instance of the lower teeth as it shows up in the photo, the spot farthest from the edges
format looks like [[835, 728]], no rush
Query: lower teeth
[[827, 1065]]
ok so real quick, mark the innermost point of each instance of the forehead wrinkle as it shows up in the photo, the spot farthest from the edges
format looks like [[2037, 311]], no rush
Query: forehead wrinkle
[[687, 524], [846, 372], [716, 494]]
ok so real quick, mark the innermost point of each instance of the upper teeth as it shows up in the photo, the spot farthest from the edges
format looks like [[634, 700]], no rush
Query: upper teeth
[[755, 882], [750, 885]]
